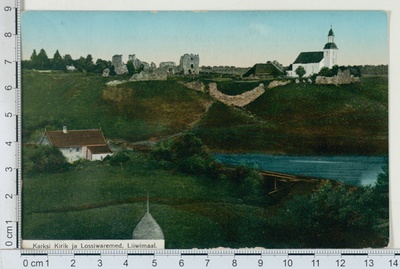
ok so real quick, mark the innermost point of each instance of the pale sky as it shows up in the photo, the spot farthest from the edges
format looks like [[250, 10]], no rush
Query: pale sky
[[219, 37]]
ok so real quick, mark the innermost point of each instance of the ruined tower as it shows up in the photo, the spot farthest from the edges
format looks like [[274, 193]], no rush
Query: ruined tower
[[190, 64]]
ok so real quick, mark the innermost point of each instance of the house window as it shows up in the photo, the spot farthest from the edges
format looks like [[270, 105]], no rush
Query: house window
[[78, 149]]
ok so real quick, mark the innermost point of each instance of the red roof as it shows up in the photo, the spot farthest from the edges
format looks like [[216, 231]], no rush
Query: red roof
[[76, 138], [99, 149]]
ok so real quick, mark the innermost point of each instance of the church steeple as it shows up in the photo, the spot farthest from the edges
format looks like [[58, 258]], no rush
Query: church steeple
[[330, 50], [331, 36]]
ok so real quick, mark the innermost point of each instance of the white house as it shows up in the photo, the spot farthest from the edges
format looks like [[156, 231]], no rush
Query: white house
[[312, 62], [78, 144]]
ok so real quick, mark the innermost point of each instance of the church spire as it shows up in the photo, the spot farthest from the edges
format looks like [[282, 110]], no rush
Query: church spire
[[331, 36]]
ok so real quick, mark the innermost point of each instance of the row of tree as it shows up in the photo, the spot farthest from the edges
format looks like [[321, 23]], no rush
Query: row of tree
[[355, 70], [40, 61]]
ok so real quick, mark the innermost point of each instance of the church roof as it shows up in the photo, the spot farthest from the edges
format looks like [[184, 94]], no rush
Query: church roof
[[309, 57], [330, 32], [330, 46], [148, 228]]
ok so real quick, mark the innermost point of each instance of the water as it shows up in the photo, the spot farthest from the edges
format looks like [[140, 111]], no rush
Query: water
[[356, 170]]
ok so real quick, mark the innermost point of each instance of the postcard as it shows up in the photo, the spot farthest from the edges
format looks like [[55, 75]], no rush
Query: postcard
[[181, 129]]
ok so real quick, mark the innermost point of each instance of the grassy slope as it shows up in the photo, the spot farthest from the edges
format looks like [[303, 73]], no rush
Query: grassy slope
[[105, 202], [98, 201], [306, 119], [131, 111], [292, 119]]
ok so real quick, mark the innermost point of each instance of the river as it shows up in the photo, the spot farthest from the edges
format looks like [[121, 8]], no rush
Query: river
[[355, 170]]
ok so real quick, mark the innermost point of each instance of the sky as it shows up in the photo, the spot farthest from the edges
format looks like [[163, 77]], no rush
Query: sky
[[240, 38]]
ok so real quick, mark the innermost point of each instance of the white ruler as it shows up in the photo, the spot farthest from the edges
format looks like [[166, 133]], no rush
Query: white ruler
[[10, 136], [213, 259]]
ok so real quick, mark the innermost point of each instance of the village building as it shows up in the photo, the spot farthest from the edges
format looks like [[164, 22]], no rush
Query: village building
[[314, 61], [265, 71], [78, 144]]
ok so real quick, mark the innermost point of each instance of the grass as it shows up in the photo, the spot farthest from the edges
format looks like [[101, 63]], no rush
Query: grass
[[99, 201], [96, 200], [292, 119], [305, 119], [131, 111]]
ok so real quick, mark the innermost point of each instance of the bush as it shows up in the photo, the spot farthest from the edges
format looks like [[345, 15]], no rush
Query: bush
[[188, 154], [118, 158], [327, 217], [40, 159]]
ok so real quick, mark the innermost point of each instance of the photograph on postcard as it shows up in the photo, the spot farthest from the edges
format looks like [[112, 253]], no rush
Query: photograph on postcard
[[234, 129]]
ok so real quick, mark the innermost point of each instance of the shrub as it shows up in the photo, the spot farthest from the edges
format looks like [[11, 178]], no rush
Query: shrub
[[119, 158], [40, 159], [326, 217]]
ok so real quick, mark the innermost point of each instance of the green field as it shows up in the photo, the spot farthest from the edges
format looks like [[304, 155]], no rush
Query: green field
[[293, 119], [100, 201], [95, 200]]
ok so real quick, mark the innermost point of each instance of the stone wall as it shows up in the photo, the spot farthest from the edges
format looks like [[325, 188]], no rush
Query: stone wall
[[343, 77], [150, 74], [196, 85], [277, 83], [236, 100]]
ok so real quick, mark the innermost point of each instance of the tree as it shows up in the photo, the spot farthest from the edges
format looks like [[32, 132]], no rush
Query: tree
[[300, 71], [58, 62], [335, 69], [188, 154], [101, 65], [44, 159], [68, 59], [119, 158], [43, 62], [80, 64], [325, 72], [131, 67], [33, 60], [89, 66], [328, 217]]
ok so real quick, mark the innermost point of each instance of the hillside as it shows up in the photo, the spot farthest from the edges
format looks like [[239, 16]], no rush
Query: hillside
[[131, 111], [292, 119], [304, 119]]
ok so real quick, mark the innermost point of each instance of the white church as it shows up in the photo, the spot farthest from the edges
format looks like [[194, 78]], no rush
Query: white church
[[313, 61]]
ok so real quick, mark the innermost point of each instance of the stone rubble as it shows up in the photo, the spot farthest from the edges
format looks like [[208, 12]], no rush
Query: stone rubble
[[236, 100]]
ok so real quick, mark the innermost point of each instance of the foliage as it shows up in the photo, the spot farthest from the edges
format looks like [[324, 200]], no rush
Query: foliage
[[57, 62], [118, 158], [325, 72], [187, 152], [43, 159], [381, 191], [41, 61], [300, 71], [325, 217], [130, 67]]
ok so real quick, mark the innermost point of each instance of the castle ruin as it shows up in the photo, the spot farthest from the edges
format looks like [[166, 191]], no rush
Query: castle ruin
[[190, 64], [119, 67]]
